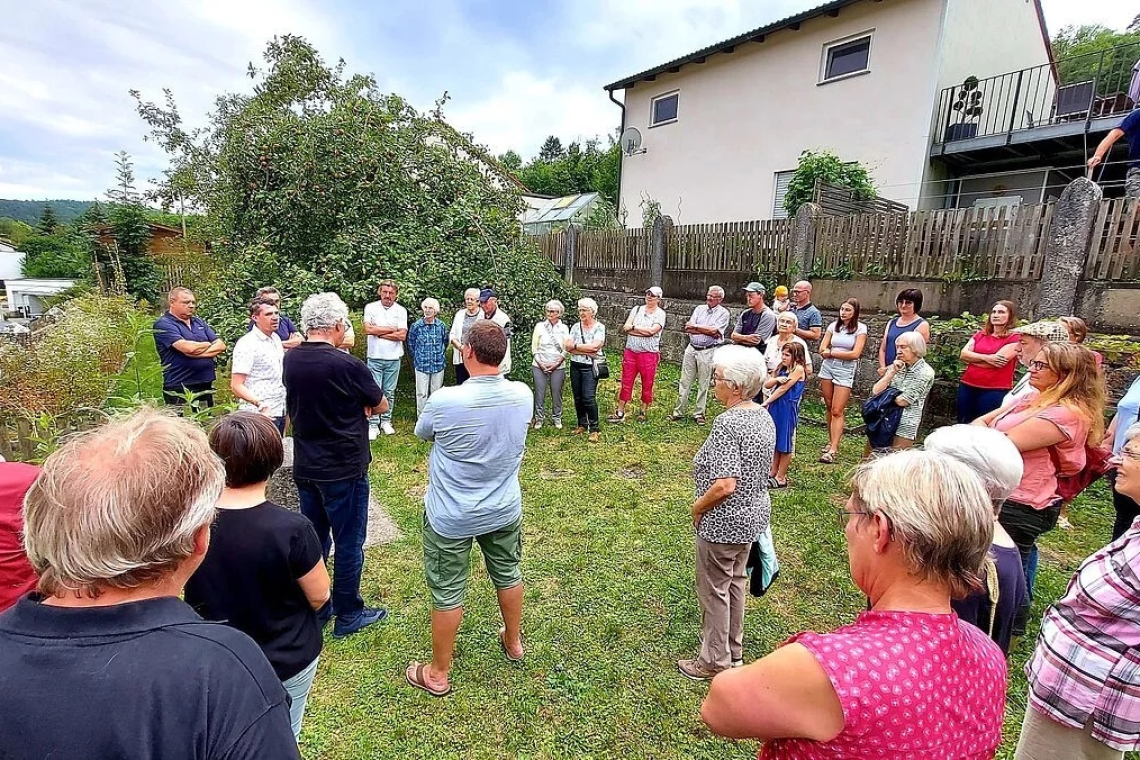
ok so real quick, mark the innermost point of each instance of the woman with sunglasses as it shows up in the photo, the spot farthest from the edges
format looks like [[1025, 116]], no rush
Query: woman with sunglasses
[[907, 678], [642, 353]]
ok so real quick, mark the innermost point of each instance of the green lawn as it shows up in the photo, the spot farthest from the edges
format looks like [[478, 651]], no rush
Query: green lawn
[[610, 606]]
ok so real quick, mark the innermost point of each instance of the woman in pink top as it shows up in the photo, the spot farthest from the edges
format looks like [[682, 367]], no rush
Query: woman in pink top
[[991, 358], [907, 679], [1050, 427]]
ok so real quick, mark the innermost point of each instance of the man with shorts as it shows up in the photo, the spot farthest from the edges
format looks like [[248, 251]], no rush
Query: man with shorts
[[478, 431]]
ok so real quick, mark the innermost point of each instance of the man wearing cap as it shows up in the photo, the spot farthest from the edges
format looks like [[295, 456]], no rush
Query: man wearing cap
[[807, 315], [757, 323], [706, 330], [489, 303], [386, 324], [1030, 340]]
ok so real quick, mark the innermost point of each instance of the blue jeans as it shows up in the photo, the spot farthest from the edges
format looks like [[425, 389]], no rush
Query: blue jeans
[[385, 372], [298, 688], [339, 508], [976, 402]]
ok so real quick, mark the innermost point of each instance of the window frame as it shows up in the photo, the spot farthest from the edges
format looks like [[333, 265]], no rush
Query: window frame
[[653, 108], [777, 199], [868, 35]]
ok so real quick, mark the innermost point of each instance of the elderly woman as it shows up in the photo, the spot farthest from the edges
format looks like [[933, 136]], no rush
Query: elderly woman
[[992, 457], [914, 378], [427, 341], [642, 353], [927, 684], [990, 357], [908, 303], [585, 344], [1083, 700], [464, 318], [732, 506], [785, 333], [1127, 414], [264, 573], [548, 344], [1050, 427]]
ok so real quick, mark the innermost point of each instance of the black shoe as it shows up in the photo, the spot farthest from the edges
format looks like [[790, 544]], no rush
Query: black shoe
[[358, 622], [325, 614]]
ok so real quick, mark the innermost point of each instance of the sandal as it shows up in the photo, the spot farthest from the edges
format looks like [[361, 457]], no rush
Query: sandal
[[507, 652], [774, 484], [641, 417], [827, 457], [616, 417], [699, 419], [420, 682]]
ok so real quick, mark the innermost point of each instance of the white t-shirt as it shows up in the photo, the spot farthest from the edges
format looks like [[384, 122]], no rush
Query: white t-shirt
[[774, 353], [395, 316], [845, 341], [642, 319]]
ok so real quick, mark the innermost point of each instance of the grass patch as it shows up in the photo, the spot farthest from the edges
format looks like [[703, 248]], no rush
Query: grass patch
[[609, 603]]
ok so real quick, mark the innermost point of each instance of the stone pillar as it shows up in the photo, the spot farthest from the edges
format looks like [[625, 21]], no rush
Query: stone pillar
[[569, 253], [802, 257], [658, 243], [1067, 249]]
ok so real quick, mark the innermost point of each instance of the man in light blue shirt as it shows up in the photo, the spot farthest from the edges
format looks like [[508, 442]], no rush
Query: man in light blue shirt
[[478, 431]]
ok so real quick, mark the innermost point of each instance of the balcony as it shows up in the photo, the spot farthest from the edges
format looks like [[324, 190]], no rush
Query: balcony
[[1050, 111]]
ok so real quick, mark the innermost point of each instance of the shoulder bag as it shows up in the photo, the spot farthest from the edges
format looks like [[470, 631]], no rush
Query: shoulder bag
[[601, 369]]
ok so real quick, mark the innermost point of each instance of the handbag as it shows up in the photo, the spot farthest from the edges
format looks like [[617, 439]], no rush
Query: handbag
[[601, 369], [1096, 465], [762, 567]]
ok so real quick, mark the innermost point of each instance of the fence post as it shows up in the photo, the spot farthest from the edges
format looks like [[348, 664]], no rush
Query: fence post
[[802, 257], [569, 253], [657, 245], [1067, 249]]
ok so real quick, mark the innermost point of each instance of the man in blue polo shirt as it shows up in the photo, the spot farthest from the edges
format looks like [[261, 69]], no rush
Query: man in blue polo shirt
[[809, 322], [186, 347], [1129, 129]]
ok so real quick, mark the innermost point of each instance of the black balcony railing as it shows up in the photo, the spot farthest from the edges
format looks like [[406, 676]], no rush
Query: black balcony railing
[[1071, 90]]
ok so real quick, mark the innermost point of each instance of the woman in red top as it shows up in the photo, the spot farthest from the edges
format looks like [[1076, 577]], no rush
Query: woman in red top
[[990, 359], [16, 574], [907, 679]]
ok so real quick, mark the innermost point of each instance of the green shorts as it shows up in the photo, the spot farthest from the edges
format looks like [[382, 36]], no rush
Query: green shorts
[[447, 562]]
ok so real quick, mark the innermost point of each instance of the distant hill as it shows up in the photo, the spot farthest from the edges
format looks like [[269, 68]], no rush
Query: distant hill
[[30, 211]]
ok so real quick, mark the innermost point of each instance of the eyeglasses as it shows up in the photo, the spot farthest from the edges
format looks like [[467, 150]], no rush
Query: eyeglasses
[[1123, 454], [1038, 365], [843, 515], [714, 380]]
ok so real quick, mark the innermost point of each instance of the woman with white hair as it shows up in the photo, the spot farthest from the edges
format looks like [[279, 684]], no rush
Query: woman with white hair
[[914, 378], [548, 344], [427, 341], [464, 318], [585, 344], [732, 506], [926, 683], [997, 462]]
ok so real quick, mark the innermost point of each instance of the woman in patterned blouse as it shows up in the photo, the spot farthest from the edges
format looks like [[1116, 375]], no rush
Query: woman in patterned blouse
[[907, 678], [910, 373], [732, 507]]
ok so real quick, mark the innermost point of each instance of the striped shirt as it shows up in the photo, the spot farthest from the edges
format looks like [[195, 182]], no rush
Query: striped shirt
[[1087, 662]]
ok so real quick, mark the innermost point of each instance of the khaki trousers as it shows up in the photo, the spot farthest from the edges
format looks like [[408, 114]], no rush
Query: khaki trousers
[[721, 583], [695, 365], [1043, 738]]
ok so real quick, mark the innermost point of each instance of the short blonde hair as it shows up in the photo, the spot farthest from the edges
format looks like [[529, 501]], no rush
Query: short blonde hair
[[944, 528], [119, 506], [742, 367]]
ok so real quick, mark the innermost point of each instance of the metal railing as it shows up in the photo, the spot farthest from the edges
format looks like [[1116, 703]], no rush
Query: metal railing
[[1071, 90]]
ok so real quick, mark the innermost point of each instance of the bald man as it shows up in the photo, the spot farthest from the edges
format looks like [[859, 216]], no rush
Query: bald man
[[809, 320]]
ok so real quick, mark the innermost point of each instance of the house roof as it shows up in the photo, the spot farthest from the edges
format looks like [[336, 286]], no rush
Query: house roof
[[562, 209], [758, 34]]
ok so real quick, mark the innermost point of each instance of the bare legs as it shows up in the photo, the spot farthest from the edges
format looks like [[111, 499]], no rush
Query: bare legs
[[445, 628], [835, 397]]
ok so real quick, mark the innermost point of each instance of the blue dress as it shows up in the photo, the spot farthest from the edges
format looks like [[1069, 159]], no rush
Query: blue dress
[[785, 413]]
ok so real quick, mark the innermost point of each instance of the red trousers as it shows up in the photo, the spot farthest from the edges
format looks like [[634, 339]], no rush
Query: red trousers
[[634, 363]]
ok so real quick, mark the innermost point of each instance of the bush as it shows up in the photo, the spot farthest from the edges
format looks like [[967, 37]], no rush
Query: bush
[[825, 166]]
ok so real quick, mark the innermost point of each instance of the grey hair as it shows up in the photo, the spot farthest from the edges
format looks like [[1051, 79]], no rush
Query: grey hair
[[430, 303], [120, 506], [787, 316], [471, 292], [321, 312], [742, 367], [987, 452], [555, 305], [176, 291], [716, 289], [590, 304], [1132, 431], [915, 340], [940, 514]]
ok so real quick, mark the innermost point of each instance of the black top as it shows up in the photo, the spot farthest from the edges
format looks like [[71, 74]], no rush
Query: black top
[[146, 679], [326, 392], [249, 580]]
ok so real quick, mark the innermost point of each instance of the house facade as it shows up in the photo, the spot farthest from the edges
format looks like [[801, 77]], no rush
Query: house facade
[[722, 128]]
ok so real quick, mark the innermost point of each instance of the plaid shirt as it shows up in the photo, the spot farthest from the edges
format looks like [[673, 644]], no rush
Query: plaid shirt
[[427, 343], [1087, 661]]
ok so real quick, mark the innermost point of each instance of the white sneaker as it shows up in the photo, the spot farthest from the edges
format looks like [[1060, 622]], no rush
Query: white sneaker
[[538, 425], [558, 424], [373, 432], [387, 428]]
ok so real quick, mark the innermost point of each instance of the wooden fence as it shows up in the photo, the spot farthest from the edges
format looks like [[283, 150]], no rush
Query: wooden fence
[[22, 440], [613, 249], [1113, 251], [186, 269], [730, 247], [834, 200]]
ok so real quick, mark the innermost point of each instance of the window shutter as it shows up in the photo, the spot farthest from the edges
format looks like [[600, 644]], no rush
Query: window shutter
[[782, 181]]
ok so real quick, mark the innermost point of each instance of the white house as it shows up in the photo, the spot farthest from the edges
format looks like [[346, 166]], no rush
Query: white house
[[27, 296], [722, 128], [11, 262]]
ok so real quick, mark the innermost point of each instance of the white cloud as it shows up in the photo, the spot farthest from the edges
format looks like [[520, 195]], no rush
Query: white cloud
[[1115, 14]]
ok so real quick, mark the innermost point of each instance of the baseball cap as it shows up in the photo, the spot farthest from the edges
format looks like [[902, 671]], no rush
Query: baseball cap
[[654, 291], [755, 287], [781, 291], [485, 295], [1048, 330]]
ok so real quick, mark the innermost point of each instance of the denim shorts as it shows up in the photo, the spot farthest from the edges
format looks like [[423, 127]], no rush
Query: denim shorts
[[841, 372], [447, 562]]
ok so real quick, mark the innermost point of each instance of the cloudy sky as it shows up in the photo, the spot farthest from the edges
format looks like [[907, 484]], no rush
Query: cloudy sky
[[516, 70]]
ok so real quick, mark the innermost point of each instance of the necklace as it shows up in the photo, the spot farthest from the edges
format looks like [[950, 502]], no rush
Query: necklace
[[736, 404]]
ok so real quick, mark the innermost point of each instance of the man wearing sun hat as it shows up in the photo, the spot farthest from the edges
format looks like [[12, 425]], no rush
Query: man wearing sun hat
[[1031, 339]]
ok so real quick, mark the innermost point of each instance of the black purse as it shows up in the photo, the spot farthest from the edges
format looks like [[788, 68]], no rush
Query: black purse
[[601, 369]]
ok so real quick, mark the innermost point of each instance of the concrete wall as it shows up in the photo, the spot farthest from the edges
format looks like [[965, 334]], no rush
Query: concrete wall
[[745, 116]]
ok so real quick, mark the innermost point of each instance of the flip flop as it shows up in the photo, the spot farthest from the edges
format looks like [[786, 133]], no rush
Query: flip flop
[[506, 652], [774, 484], [418, 680]]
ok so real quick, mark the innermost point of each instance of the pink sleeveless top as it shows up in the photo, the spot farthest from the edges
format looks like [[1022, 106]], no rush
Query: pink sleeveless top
[[912, 685]]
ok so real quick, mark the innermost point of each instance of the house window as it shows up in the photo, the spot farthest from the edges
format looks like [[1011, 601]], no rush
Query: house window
[[782, 180], [663, 110], [846, 58]]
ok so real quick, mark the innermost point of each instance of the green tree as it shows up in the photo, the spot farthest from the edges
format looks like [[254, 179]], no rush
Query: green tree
[[825, 166], [579, 168], [15, 231], [551, 149], [58, 255], [48, 222], [511, 161], [319, 181], [1085, 52], [130, 232]]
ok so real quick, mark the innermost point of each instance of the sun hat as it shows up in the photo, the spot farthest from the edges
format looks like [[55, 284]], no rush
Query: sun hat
[[1047, 330]]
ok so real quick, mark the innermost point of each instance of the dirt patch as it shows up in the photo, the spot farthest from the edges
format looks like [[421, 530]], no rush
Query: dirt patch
[[633, 472]]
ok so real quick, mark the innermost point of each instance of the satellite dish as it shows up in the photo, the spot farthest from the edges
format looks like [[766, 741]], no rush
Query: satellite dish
[[631, 141]]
